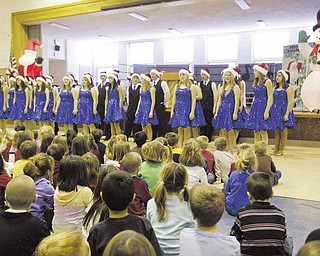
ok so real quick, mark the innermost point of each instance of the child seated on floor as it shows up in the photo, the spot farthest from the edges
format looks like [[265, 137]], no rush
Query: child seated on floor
[[20, 231], [56, 151], [173, 140], [97, 134], [4, 179], [118, 193], [261, 227], [265, 162], [223, 160], [235, 189], [27, 149], [203, 142], [140, 138], [131, 163], [207, 206]]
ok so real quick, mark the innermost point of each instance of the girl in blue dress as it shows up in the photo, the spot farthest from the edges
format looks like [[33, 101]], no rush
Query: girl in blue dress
[[65, 108], [281, 111], [258, 119], [146, 115], [87, 99], [3, 103], [114, 112], [20, 107], [41, 101], [9, 101], [51, 106], [226, 117], [183, 107]]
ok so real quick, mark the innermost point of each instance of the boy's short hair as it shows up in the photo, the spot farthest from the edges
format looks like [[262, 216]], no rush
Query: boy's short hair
[[57, 151], [131, 162], [117, 190], [20, 128], [242, 147], [259, 185], [207, 204], [203, 141], [140, 138], [260, 148], [28, 149], [20, 192], [97, 134], [221, 143], [172, 138]]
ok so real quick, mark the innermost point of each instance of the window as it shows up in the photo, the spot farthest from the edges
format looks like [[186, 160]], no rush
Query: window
[[269, 45], [106, 54], [141, 53], [223, 48], [179, 50]]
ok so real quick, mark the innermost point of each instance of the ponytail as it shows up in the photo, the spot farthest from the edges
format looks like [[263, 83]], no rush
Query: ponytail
[[246, 160], [160, 198]]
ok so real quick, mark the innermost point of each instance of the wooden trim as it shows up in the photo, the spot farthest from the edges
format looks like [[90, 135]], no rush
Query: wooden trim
[[306, 115], [19, 29]]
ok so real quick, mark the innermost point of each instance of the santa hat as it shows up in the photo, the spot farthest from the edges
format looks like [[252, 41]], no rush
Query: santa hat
[[113, 75], [285, 74], [205, 71], [134, 75], [68, 77], [2, 78], [12, 79], [193, 78], [184, 71], [231, 70], [21, 78], [89, 77], [31, 47], [49, 78], [103, 73], [262, 68], [156, 71], [315, 27], [146, 77], [41, 78], [238, 70]]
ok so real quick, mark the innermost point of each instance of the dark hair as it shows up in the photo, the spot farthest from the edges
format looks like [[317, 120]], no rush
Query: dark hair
[[71, 134], [98, 206], [140, 138], [20, 128], [259, 185], [172, 138], [1, 164], [72, 173], [97, 134], [24, 136], [28, 149], [46, 142], [56, 150], [23, 85], [79, 146], [117, 190]]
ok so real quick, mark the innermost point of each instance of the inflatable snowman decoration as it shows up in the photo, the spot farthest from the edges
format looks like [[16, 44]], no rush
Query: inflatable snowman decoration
[[310, 91]]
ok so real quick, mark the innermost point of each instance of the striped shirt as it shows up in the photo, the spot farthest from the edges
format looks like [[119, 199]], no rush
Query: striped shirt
[[261, 230]]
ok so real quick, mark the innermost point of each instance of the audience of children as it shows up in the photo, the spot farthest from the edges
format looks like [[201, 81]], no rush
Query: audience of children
[[118, 192], [261, 227], [207, 206], [131, 163], [265, 163], [168, 211]]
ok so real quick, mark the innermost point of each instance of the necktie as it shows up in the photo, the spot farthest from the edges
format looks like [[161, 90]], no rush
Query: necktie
[[154, 83]]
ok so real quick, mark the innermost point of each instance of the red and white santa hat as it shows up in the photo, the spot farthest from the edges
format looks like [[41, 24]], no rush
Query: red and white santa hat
[[156, 71], [205, 71], [49, 78], [285, 74], [134, 75], [21, 78], [31, 47], [231, 70], [262, 68], [41, 78], [145, 76], [72, 78], [68, 77], [113, 75], [89, 77], [238, 70], [193, 78], [103, 73], [185, 71], [2, 78], [12, 79]]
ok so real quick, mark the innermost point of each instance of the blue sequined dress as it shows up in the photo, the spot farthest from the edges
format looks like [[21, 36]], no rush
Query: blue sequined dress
[[38, 114], [199, 119], [142, 116], [224, 119], [114, 114], [279, 109], [17, 111], [64, 113], [49, 115], [85, 109], [2, 114], [10, 103], [182, 109], [255, 120]]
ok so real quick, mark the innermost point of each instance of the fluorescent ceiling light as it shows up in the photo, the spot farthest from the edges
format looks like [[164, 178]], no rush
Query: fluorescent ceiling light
[[174, 31], [262, 23], [138, 16], [242, 4], [105, 37], [58, 25]]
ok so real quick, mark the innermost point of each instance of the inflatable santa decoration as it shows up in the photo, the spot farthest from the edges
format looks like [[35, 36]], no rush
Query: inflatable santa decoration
[[30, 64], [310, 91]]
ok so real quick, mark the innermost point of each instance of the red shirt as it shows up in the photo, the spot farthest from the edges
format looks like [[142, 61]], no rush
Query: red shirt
[[210, 159]]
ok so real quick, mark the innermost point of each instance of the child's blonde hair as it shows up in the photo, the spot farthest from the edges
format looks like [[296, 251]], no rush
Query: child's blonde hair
[[260, 148], [92, 164], [167, 155], [246, 160], [109, 149], [242, 147], [173, 179], [172, 138], [131, 162], [122, 137], [39, 166], [154, 151], [58, 139], [203, 141], [221, 143], [119, 149], [191, 154], [44, 130]]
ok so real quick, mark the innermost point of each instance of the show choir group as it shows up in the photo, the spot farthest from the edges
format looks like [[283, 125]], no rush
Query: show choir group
[[196, 106]]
